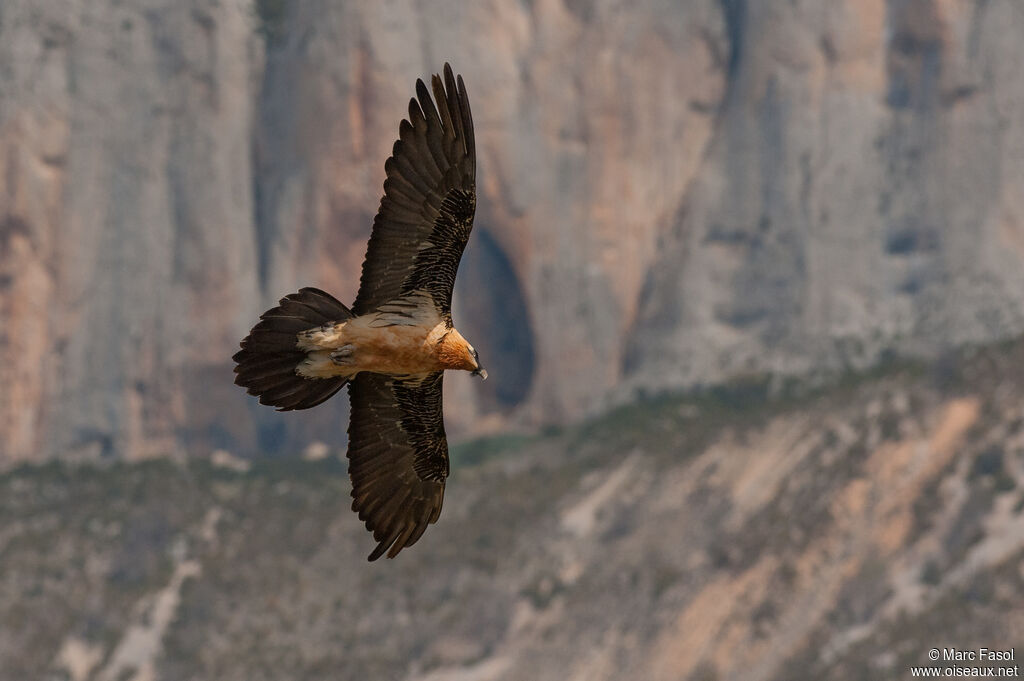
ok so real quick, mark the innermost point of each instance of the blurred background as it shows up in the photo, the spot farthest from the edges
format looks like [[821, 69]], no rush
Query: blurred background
[[748, 278]]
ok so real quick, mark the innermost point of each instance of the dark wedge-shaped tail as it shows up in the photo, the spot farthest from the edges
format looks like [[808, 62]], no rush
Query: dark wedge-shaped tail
[[265, 366]]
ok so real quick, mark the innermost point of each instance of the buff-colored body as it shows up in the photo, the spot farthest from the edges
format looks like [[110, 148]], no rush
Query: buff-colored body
[[405, 337]]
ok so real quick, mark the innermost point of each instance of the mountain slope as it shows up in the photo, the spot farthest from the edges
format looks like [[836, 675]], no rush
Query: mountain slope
[[759, 531]]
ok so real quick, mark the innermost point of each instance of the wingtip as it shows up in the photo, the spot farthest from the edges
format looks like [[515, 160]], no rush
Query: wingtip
[[449, 80], [382, 548], [422, 93]]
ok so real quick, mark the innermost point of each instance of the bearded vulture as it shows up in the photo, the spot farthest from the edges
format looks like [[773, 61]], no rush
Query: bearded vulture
[[393, 346]]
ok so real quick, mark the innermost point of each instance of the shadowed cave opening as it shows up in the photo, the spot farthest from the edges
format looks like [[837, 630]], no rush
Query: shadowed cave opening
[[492, 314]]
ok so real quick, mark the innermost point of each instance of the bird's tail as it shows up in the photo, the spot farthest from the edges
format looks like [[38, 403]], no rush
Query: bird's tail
[[265, 366]]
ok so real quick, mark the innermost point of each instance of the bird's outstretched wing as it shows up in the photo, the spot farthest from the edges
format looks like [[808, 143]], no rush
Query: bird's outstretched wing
[[426, 214], [398, 456]]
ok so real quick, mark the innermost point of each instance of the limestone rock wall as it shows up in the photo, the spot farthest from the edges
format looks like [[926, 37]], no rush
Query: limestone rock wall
[[862, 194], [127, 249], [670, 194]]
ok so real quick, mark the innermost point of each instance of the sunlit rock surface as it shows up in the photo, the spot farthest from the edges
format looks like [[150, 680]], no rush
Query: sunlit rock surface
[[671, 194]]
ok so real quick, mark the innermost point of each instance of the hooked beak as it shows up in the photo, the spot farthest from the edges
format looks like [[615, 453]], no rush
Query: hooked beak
[[481, 372]]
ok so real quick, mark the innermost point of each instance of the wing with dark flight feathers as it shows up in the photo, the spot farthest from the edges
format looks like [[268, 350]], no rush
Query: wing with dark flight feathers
[[426, 214], [398, 456]]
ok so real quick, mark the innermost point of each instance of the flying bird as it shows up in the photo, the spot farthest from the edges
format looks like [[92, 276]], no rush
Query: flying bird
[[395, 343]]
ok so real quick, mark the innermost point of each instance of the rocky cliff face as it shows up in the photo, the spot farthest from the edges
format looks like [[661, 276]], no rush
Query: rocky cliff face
[[127, 248], [671, 194], [591, 122], [835, 535], [860, 194]]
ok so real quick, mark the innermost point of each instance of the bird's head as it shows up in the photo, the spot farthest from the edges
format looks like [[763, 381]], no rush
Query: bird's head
[[456, 353], [479, 370]]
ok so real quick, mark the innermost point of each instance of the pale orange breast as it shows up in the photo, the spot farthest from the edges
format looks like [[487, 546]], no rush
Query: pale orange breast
[[396, 349], [402, 337]]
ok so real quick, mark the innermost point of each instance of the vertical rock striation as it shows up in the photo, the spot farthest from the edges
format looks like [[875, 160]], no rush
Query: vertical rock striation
[[591, 121], [127, 257], [858, 196], [671, 194]]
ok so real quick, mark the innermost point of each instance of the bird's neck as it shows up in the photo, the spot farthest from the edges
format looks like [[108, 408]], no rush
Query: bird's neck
[[453, 352]]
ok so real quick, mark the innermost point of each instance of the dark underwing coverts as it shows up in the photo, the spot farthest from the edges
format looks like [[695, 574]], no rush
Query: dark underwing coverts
[[398, 453], [426, 214], [398, 457]]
